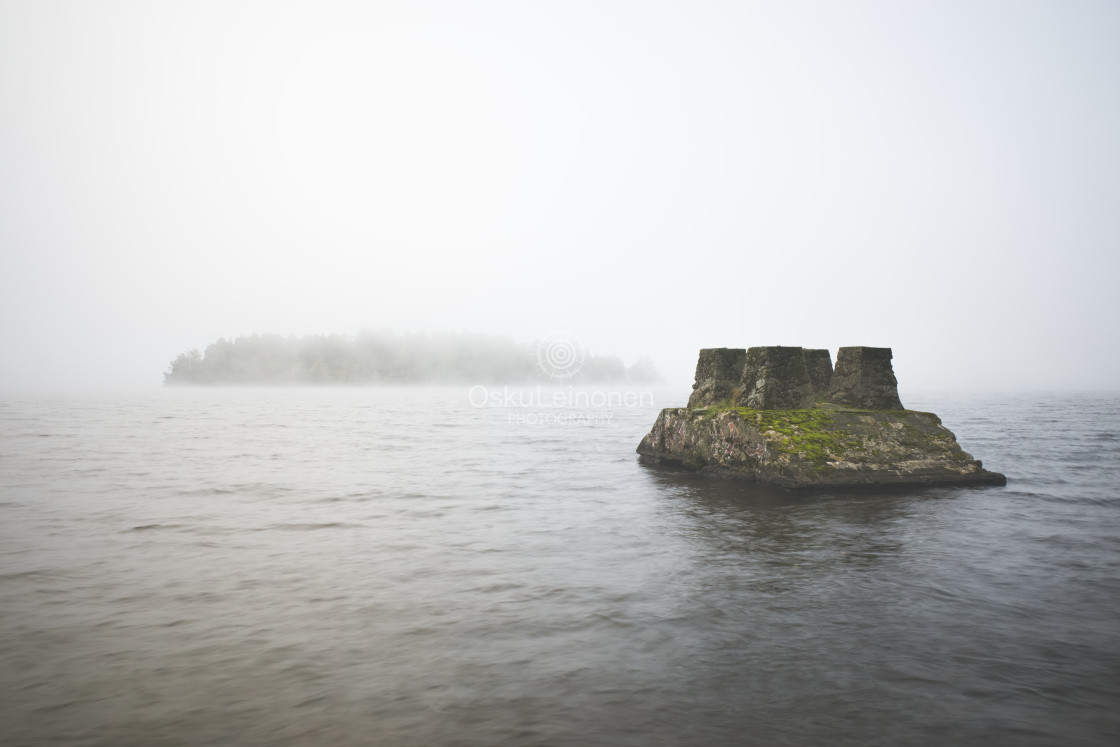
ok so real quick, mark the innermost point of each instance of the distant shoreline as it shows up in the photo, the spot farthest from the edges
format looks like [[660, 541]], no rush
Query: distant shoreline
[[378, 358]]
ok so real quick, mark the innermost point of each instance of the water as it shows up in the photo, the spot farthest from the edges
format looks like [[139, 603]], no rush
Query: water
[[397, 567]]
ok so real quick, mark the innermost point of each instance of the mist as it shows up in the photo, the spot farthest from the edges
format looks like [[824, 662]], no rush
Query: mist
[[939, 178]]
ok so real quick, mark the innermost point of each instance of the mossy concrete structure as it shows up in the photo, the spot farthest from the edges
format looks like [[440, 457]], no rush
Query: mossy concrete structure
[[774, 425], [775, 378], [864, 377], [718, 371], [766, 377], [819, 365]]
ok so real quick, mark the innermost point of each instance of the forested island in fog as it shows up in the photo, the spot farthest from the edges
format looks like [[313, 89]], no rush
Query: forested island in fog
[[387, 358]]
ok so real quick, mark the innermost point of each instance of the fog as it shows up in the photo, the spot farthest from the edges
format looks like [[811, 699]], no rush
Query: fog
[[940, 177]]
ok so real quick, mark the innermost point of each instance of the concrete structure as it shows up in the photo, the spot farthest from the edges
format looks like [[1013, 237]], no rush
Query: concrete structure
[[819, 365], [718, 371], [775, 378], [864, 378]]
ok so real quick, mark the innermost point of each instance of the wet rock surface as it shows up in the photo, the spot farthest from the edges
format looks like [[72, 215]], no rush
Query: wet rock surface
[[815, 448]]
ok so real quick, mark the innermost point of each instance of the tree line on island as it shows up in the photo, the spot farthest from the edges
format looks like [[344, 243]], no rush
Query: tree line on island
[[387, 358]]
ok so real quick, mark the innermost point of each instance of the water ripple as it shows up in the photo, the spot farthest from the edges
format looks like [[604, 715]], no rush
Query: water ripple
[[392, 566]]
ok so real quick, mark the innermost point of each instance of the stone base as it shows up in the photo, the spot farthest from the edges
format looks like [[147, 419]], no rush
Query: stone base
[[828, 447]]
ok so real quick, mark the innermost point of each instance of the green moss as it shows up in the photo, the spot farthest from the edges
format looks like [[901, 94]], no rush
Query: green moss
[[811, 434], [722, 406]]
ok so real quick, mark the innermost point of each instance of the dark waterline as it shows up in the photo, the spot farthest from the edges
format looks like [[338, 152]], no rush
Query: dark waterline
[[399, 567]]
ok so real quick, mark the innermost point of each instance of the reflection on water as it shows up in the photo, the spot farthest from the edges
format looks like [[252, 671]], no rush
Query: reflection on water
[[398, 567]]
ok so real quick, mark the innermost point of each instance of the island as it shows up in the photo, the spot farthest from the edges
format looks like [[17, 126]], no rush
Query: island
[[782, 415], [376, 357]]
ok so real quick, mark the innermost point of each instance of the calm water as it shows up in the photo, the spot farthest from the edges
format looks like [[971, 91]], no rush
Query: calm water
[[397, 567]]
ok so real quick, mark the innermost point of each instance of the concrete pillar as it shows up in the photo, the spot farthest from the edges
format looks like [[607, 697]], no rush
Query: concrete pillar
[[864, 378], [775, 378], [718, 371], [819, 364]]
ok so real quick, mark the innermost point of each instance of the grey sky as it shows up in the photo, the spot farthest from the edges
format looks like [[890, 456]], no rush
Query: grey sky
[[940, 177]]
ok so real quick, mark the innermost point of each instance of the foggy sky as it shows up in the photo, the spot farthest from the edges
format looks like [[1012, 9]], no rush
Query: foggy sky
[[942, 178]]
